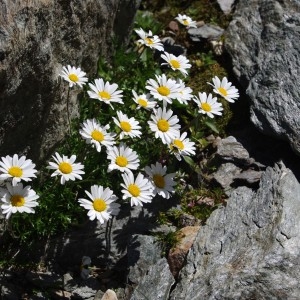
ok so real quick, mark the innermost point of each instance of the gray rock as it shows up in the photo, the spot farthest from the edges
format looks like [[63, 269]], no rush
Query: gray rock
[[250, 248], [143, 251], [226, 5], [84, 292], [226, 174], [156, 284], [230, 150], [248, 176], [262, 40], [37, 38], [207, 31]]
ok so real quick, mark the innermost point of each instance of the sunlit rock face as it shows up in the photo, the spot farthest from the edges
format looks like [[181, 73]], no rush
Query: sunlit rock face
[[262, 40], [37, 38]]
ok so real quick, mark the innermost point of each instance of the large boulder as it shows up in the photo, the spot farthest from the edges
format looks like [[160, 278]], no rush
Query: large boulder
[[37, 38], [250, 248], [262, 40]]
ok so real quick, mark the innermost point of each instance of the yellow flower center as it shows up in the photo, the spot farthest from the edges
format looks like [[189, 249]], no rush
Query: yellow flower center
[[149, 41], [15, 171], [121, 161], [134, 190], [65, 168], [163, 125], [159, 180], [17, 200], [163, 90], [178, 144], [174, 63], [206, 107], [185, 22], [104, 95], [73, 77], [142, 102], [125, 126], [97, 135], [99, 205], [222, 91]]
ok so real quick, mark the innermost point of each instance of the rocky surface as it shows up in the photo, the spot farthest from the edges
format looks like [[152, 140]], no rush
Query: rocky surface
[[206, 31], [178, 253], [250, 248], [226, 5], [262, 41], [234, 165], [37, 38]]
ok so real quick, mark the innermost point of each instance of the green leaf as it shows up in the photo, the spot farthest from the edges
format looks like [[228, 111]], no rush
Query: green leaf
[[189, 161], [211, 125]]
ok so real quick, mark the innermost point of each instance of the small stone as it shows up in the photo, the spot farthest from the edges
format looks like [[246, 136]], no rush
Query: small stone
[[249, 176], [226, 174], [207, 31], [226, 5], [177, 254], [109, 295], [174, 26], [188, 220], [229, 149]]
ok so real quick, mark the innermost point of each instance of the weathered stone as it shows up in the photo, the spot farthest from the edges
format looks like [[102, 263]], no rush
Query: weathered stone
[[262, 40], [37, 38], [109, 295], [226, 174], [207, 31], [248, 177], [250, 248], [143, 251], [229, 149], [156, 284], [226, 5], [185, 220], [177, 254]]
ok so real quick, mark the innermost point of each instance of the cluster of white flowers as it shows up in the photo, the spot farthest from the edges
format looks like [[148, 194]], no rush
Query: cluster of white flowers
[[139, 185], [15, 197]]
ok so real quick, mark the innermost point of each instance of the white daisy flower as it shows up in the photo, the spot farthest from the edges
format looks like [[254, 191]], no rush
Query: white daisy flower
[[106, 92], [225, 89], [163, 183], [164, 125], [208, 105], [185, 92], [149, 40], [101, 204], [182, 146], [122, 158], [18, 199], [144, 100], [97, 135], [16, 169], [73, 76], [163, 88], [66, 168], [180, 63], [130, 127], [186, 21], [139, 190]]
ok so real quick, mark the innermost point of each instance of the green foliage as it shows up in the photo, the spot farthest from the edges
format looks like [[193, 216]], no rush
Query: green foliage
[[130, 68], [168, 241], [201, 202], [147, 21]]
